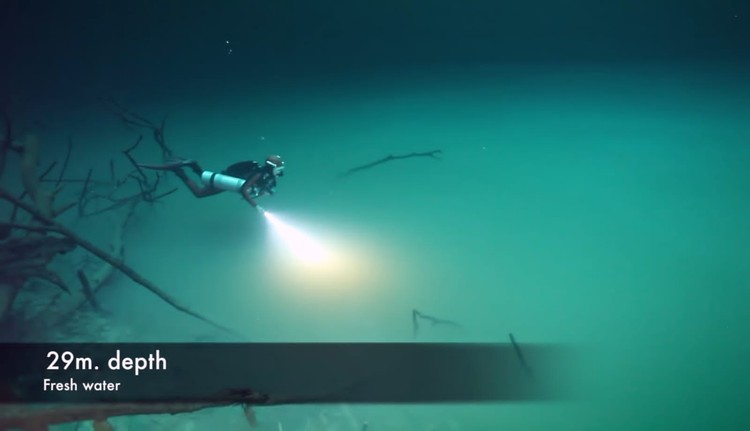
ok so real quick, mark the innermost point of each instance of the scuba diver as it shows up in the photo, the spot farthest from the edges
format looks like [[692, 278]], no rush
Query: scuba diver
[[249, 178]]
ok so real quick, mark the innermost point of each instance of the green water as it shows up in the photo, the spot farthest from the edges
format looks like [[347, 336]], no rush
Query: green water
[[603, 207], [592, 189]]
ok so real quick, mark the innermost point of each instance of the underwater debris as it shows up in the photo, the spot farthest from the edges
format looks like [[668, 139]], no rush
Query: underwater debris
[[52, 226], [43, 199], [30, 254], [25, 258], [7, 145], [88, 293], [33, 417], [250, 416], [134, 120], [147, 188], [97, 278], [416, 316], [432, 154], [521, 358]]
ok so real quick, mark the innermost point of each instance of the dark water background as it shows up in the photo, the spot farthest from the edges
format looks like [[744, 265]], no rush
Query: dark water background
[[85, 48]]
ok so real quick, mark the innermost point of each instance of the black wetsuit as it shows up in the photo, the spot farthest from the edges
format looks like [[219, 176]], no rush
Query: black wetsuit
[[266, 184]]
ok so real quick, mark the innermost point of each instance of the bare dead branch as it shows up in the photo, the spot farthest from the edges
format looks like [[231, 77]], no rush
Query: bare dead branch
[[65, 162], [48, 170], [39, 249], [91, 181], [42, 178], [99, 277], [48, 276], [27, 416], [43, 205], [82, 201], [114, 205], [434, 154], [88, 293], [63, 209], [44, 200], [6, 144], [147, 188], [24, 258], [144, 195], [132, 119], [416, 316], [27, 257], [132, 161], [161, 195], [54, 226], [521, 358], [14, 212]]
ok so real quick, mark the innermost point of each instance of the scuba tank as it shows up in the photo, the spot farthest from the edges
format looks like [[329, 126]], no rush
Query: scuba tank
[[222, 181]]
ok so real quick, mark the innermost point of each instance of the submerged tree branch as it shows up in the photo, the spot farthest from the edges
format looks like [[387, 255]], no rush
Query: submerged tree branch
[[6, 144], [61, 175], [53, 226], [148, 189], [521, 358], [132, 119], [416, 316], [30, 417], [22, 258], [88, 293], [432, 154]]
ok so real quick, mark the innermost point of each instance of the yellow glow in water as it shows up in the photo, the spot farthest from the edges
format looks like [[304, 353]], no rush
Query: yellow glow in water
[[305, 248], [322, 262]]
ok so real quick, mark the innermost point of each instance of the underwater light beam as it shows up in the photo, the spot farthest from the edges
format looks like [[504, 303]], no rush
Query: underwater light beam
[[306, 248]]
